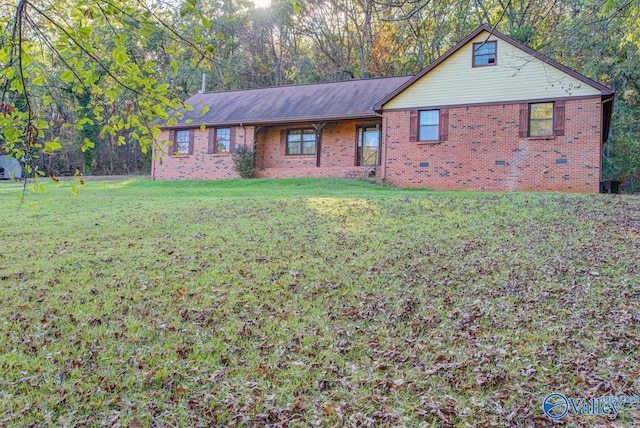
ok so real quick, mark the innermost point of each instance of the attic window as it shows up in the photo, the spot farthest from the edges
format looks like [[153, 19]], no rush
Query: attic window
[[484, 54]]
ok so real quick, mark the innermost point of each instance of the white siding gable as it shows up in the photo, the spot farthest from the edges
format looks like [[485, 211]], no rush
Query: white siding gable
[[516, 76]]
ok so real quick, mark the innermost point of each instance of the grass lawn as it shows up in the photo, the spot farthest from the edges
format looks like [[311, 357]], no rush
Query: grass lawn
[[313, 302]]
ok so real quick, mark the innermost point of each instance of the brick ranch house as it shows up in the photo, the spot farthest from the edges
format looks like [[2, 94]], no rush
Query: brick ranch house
[[490, 114]]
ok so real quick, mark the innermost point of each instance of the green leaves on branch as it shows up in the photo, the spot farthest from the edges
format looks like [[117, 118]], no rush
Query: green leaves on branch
[[66, 76], [82, 122], [175, 66], [94, 54], [205, 110], [87, 145], [51, 146]]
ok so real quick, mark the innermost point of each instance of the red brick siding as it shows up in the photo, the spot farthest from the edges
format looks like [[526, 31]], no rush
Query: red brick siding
[[478, 136], [337, 153], [481, 135], [201, 165]]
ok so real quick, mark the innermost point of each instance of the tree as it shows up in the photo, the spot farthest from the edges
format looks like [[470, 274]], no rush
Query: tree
[[76, 86], [116, 88]]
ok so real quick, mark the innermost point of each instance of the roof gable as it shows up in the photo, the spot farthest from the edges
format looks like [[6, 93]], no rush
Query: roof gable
[[520, 74]]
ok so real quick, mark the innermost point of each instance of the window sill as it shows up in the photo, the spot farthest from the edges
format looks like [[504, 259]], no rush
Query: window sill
[[542, 137], [219, 155], [428, 143], [179, 156], [301, 156]]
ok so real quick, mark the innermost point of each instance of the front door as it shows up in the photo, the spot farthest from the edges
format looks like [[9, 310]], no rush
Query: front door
[[368, 146]]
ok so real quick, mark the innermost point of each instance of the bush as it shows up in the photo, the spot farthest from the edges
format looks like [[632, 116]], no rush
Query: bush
[[244, 161]]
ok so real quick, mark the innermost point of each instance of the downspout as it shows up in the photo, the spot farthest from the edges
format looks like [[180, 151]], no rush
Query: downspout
[[383, 146], [604, 137], [256, 130]]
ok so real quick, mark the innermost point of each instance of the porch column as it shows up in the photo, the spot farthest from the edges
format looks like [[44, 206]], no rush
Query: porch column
[[318, 127], [256, 131]]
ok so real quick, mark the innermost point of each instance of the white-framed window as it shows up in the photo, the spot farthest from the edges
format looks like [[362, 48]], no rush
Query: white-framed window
[[429, 125]]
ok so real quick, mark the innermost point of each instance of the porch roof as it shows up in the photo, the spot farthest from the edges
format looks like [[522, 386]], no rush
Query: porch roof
[[289, 104]]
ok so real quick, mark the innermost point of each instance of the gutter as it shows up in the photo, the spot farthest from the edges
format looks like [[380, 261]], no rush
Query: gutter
[[383, 146], [259, 122]]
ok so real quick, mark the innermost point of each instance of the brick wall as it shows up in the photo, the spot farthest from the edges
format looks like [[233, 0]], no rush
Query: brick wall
[[337, 153], [484, 151], [200, 165]]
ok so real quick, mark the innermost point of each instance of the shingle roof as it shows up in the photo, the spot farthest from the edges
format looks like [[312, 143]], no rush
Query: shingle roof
[[288, 104]]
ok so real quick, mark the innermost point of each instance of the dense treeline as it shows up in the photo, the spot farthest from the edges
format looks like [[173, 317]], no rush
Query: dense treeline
[[237, 45]]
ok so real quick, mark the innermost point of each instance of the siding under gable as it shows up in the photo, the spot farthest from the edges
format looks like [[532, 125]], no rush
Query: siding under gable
[[517, 76]]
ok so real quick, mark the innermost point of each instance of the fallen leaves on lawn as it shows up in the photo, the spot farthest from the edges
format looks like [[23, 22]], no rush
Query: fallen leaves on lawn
[[429, 310]]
